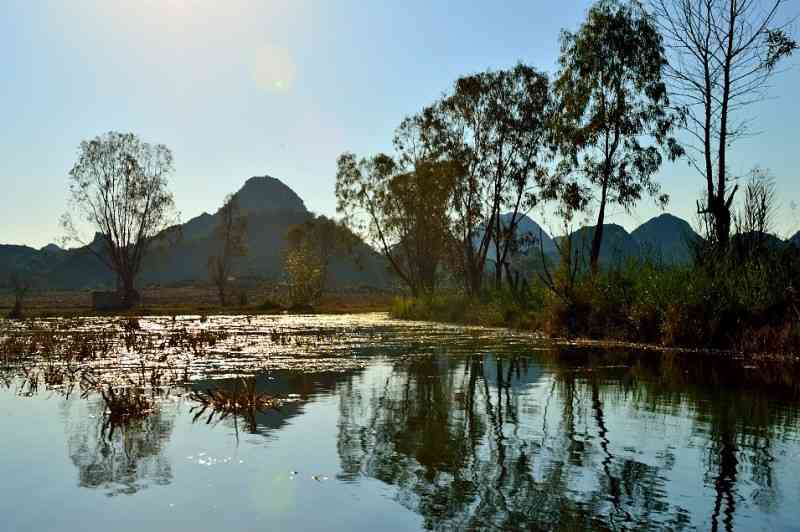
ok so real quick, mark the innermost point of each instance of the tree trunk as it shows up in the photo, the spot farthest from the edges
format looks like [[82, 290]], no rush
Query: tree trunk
[[597, 239], [498, 258], [721, 215], [722, 211], [130, 297], [223, 296], [475, 281], [472, 271]]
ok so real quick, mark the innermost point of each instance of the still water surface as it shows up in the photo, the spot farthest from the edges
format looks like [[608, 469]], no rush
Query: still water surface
[[395, 426]]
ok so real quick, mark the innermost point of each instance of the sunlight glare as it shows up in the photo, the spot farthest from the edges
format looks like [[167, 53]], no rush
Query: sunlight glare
[[274, 69]]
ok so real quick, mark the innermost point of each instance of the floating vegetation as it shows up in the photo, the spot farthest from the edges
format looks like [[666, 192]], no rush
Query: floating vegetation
[[182, 348], [244, 401], [136, 361], [123, 403]]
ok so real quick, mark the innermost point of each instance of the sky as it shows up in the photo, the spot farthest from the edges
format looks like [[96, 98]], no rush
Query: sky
[[281, 87]]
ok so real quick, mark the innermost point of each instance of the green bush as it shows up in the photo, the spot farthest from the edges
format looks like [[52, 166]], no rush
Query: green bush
[[746, 303]]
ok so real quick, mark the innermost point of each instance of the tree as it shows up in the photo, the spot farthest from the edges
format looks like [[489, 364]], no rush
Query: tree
[[230, 236], [304, 275], [311, 246], [20, 286], [403, 211], [495, 125], [119, 186], [613, 99], [722, 54]]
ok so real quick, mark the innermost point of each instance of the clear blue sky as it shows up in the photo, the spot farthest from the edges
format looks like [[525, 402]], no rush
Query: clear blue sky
[[278, 87]]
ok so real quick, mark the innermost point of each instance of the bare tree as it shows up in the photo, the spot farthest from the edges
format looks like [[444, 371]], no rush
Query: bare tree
[[722, 54], [119, 187], [230, 237]]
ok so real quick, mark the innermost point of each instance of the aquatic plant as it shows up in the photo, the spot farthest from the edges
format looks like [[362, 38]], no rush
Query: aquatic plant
[[244, 400], [123, 404]]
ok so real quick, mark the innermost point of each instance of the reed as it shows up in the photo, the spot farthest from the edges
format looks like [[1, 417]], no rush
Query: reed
[[244, 401]]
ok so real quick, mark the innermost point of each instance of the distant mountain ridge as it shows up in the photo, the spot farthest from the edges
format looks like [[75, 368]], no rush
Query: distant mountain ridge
[[530, 234], [666, 238], [271, 208], [795, 239]]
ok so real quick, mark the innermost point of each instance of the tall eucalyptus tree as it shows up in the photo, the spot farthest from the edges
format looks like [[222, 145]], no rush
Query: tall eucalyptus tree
[[614, 121]]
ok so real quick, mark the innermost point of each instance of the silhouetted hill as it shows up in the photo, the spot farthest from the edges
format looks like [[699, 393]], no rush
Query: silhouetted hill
[[52, 249], [267, 194], [666, 238], [530, 235], [617, 246], [271, 209], [795, 239], [759, 240], [27, 261]]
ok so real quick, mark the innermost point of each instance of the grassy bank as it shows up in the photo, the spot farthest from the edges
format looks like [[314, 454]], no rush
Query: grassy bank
[[747, 307]]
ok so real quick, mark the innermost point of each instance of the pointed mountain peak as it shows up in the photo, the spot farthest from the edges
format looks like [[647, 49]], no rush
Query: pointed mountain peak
[[266, 193], [51, 248]]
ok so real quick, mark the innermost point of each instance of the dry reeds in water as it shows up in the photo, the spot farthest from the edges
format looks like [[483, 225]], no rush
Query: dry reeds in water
[[123, 403], [244, 400]]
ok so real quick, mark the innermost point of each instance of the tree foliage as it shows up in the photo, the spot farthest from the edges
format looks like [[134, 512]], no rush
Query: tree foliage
[[495, 125], [404, 212], [615, 116], [119, 187], [311, 248]]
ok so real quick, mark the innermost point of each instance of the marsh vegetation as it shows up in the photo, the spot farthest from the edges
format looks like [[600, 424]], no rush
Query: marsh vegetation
[[460, 427], [638, 84]]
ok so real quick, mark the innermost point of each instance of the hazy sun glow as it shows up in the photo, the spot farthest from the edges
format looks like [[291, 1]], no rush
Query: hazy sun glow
[[274, 68]]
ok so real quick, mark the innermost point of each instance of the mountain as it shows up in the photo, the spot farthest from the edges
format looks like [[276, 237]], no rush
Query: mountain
[[533, 235], [530, 235], [795, 239], [759, 240], [52, 249], [617, 246], [666, 238], [268, 194], [271, 207]]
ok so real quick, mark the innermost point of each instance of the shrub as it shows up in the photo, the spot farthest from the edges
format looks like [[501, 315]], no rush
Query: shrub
[[743, 300]]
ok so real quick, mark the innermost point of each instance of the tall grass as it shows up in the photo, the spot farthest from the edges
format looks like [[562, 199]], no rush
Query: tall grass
[[744, 300]]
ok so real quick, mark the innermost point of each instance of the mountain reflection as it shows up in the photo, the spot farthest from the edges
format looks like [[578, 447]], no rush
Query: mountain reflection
[[492, 443], [122, 461]]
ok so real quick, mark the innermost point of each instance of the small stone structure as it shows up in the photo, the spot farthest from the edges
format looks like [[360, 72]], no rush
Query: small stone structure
[[106, 301], [110, 301]]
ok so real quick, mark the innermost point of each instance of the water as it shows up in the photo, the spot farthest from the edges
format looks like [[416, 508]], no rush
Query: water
[[394, 426]]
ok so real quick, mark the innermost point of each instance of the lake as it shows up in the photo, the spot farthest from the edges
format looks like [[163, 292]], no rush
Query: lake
[[387, 425]]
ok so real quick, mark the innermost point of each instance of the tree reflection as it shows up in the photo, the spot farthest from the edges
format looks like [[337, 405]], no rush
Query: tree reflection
[[122, 461], [486, 442]]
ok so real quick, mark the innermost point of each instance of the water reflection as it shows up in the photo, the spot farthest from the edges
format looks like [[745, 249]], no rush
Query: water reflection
[[124, 460], [486, 442], [290, 389], [467, 431]]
